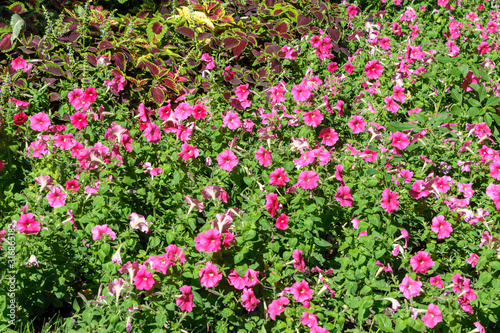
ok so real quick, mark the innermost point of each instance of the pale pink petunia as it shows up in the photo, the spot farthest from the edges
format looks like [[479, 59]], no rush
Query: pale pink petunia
[[99, 230], [227, 160], [138, 222], [39, 122]]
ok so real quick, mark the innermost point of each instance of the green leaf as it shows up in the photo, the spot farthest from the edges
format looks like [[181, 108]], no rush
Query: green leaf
[[321, 242], [384, 323], [492, 101], [456, 95], [16, 23], [444, 59], [495, 265], [464, 69]]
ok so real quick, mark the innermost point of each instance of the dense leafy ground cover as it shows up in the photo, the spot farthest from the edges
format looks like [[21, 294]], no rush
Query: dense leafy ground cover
[[257, 166]]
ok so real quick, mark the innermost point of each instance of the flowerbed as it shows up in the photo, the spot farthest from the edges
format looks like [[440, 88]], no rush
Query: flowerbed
[[352, 185]]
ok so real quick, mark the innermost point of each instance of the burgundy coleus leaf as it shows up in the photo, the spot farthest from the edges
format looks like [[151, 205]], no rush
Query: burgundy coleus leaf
[[54, 97], [319, 16], [303, 20], [21, 83], [92, 59], [273, 49], [239, 48], [53, 69], [158, 95], [230, 42], [334, 34], [186, 32], [157, 28], [5, 43], [281, 28], [170, 83], [277, 12], [17, 8], [119, 60], [68, 37], [104, 45], [205, 35], [153, 69]]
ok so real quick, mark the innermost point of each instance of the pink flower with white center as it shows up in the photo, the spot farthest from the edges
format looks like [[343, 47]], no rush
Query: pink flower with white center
[[159, 263], [90, 95], [433, 316], [329, 136], [236, 280], [340, 106], [313, 118], [144, 280], [278, 177], [409, 287], [282, 222], [251, 277], [299, 263], [39, 122], [79, 120], [39, 149], [209, 277], [421, 262], [208, 241], [373, 69], [27, 224], [188, 152], [183, 111], [272, 204], [277, 306], [308, 319], [308, 180], [138, 222], [185, 302], [305, 159], [349, 68], [248, 299], [210, 64], [232, 120], [473, 260], [357, 124], [227, 160], [399, 94], [99, 230], [301, 92], [436, 281], [199, 111], [389, 201], [263, 156], [56, 197], [390, 104], [399, 140], [72, 184], [344, 197], [495, 169], [443, 183], [64, 141], [152, 133], [19, 63], [442, 228], [301, 291], [385, 43], [318, 329], [242, 93]]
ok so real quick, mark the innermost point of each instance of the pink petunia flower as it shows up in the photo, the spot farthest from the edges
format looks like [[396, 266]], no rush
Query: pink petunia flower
[[208, 241], [441, 227], [185, 302], [282, 222], [232, 120], [399, 140], [421, 262], [79, 120], [39, 122], [56, 197], [436, 281], [278, 177], [301, 92], [138, 222], [272, 204], [313, 118], [277, 306], [389, 201], [373, 69], [409, 287], [391, 105], [301, 291], [308, 180], [357, 124], [188, 152], [308, 319], [329, 136], [473, 260], [237, 281], [27, 224], [227, 160], [263, 156], [144, 280], [209, 277], [248, 299], [344, 197], [19, 63], [433, 316], [99, 230], [299, 262]]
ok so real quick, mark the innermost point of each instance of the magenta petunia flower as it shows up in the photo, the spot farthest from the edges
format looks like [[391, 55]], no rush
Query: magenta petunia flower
[[308, 319], [433, 316], [308, 180], [144, 280], [313, 118], [389, 201], [278, 177], [441, 227], [208, 241], [56, 197], [188, 152], [19, 63], [282, 222], [373, 69], [473, 260], [421, 262], [27, 224], [272, 204], [248, 299], [409, 287], [232, 120], [357, 124], [39, 122], [263, 156], [277, 306], [236, 280], [185, 302], [329, 136], [227, 160], [79, 120], [299, 262], [301, 92], [301, 291], [391, 105], [399, 140], [436, 281], [344, 197], [209, 277]]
